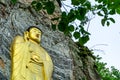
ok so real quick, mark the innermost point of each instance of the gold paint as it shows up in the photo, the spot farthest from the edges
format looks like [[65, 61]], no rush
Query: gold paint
[[29, 60]]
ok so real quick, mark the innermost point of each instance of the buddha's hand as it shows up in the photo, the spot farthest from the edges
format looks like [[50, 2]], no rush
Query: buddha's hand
[[36, 59]]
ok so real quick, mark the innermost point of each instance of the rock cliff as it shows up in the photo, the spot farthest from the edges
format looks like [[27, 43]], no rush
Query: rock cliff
[[71, 62]]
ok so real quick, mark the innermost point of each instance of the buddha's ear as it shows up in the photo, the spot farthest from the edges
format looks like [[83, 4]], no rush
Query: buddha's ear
[[26, 35]]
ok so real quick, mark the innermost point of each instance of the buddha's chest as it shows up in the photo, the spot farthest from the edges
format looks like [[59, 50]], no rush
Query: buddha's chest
[[38, 51]]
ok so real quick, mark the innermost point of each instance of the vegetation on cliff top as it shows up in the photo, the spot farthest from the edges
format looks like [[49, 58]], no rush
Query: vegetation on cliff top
[[106, 73]]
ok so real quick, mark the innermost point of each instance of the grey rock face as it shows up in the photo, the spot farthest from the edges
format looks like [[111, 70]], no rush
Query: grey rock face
[[14, 20]]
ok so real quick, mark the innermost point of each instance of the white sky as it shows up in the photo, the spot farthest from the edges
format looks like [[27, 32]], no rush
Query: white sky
[[106, 40]]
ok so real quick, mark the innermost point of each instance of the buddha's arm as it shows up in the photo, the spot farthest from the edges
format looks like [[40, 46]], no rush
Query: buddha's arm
[[17, 54], [16, 45]]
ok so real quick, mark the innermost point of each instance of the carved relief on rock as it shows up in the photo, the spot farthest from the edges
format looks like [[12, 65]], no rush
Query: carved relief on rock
[[30, 61]]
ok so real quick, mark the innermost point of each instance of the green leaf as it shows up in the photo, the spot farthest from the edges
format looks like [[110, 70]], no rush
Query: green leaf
[[64, 14], [76, 35], [83, 31], [99, 13], [82, 1], [54, 27], [38, 6], [71, 28], [88, 4], [108, 23], [66, 32], [50, 7], [86, 32], [112, 12], [103, 22], [99, 6], [33, 3], [71, 15], [75, 2], [62, 26], [99, 1], [83, 40], [105, 10], [118, 10], [112, 20], [78, 16], [81, 13], [105, 1], [14, 1]]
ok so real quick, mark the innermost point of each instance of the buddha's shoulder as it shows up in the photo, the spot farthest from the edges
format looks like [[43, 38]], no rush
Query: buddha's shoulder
[[18, 39]]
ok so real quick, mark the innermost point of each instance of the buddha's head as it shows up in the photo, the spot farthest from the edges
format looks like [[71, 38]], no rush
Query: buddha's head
[[34, 34]]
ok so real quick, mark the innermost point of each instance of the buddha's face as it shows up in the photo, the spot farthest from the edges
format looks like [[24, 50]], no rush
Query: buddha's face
[[35, 34]]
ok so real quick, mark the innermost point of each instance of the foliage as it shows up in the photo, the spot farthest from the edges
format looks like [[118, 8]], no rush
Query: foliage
[[105, 73], [79, 11], [13, 1], [81, 8], [44, 4]]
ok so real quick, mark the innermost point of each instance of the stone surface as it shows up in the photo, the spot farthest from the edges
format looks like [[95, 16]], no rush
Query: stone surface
[[68, 64]]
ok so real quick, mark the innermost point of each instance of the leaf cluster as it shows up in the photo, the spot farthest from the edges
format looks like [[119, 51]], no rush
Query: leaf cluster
[[44, 4], [103, 8], [68, 28], [105, 73], [106, 8], [79, 11], [41, 4], [14, 1]]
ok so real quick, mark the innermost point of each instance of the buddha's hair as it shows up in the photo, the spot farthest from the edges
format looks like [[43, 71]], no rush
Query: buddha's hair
[[33, 27]]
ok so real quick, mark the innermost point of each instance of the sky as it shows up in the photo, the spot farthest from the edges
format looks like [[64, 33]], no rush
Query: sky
[[105, 41]]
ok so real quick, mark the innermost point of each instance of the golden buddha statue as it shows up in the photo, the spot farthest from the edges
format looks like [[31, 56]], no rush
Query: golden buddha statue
[[29, 60]]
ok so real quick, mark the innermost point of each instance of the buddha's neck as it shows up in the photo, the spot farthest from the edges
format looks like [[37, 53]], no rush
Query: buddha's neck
[[35, 42]]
